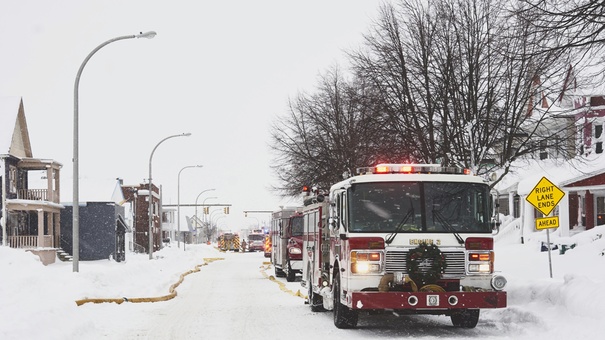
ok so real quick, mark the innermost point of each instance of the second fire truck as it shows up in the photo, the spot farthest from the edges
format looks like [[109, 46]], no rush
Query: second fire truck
[[411, 239], [286, 242]]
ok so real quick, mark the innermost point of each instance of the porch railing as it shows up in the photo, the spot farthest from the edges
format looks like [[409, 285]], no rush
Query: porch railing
[[137, 248], [33, 194], [29, 241]]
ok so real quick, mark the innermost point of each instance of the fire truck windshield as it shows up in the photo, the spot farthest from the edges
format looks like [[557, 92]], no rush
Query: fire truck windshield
[[414, 207], [256, 237], [297, 226]]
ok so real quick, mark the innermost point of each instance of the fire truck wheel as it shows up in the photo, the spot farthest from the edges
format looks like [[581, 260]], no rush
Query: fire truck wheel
[[465, 318], [279, 272], [315, 300], [291, 275], [343, 316]]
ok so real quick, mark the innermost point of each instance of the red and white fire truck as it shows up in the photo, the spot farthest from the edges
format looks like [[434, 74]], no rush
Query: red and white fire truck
[[286, 242], [256, 240], [410, 239]]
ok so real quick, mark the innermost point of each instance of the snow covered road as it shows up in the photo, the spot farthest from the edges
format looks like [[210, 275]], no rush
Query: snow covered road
[[233, 299]]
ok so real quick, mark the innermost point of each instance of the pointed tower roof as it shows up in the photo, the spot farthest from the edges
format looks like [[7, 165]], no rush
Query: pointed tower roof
[[14, 136]]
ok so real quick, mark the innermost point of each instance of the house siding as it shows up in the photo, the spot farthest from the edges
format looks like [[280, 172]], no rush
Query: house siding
[[97, 232]]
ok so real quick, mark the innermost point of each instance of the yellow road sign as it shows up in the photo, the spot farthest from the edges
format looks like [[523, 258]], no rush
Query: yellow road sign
[[545, 196], [547, 222]]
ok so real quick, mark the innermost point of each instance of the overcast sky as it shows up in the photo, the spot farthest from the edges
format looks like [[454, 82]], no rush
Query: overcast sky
[[221, 70]]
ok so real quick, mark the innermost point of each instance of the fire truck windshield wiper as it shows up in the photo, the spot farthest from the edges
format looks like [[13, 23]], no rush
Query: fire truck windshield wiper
[[400, 226], [447, 226]]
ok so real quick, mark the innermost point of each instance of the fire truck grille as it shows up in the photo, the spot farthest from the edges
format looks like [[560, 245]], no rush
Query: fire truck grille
[[454, 260]]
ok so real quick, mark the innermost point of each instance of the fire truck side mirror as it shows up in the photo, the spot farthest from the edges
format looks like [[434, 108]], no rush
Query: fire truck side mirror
[[495, 224]]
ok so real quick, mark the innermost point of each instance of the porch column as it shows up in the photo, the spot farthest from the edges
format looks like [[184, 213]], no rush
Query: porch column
[[57, 234], [564, 215], [50, 195], [40, 228], [529, 220], [581, 205], [51, 228], [57, 193]]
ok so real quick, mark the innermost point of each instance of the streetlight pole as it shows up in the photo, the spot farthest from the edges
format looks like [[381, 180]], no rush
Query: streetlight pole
[[76, 171], [198, 196], [257, 221], [204, 204], [216, 222], [151, 192], [212, 215], [178, 204]]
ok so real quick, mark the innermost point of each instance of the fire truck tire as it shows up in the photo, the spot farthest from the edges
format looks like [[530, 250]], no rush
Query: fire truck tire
[[315, 300], [343, 316], [465, 318], [279, 272], [290, 275]]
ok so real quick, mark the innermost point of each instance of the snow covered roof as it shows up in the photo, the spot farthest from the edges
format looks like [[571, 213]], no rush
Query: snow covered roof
[[525, 174], [12, 121]]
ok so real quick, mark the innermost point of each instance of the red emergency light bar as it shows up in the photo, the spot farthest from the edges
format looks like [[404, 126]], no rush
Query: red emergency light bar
[[411, 169]]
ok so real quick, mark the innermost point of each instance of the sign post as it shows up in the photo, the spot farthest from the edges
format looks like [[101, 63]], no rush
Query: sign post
[[545, 196]]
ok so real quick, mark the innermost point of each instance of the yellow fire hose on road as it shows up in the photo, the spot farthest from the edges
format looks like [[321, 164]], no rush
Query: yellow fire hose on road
[[172, 291], [282, 286]]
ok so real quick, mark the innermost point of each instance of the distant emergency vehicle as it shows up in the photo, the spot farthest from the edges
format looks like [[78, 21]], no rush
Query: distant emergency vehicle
[[256, 240], [229, 241], [286, 242]]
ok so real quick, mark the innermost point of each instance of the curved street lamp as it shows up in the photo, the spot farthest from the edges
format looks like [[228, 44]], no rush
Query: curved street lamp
[[215, 222], [151, 192], [257, 221], [178, 204], [76, 174], [198, 196], [204, 204]]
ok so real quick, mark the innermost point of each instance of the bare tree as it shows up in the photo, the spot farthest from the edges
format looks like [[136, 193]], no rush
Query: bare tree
[[326, 134], [460, 81], [456, 82], [578, 23], [573, 27]]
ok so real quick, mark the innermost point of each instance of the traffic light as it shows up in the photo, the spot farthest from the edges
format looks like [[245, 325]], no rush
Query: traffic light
[[226, 210], [206, 210]]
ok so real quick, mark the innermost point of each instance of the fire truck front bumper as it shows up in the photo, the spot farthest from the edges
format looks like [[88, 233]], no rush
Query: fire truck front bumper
[[427, 301], [296, 265]]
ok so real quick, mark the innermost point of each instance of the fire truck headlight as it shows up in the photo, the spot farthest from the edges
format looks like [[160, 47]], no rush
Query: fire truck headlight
[[294, 251], [498, 282], [481, 262], [365, 268], [479, 268], [366, 262], [360, 267]]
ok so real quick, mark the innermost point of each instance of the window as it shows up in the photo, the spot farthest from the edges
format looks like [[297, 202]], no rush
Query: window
[[543, 150], [12, 179], [297, 226], [598, 132]]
